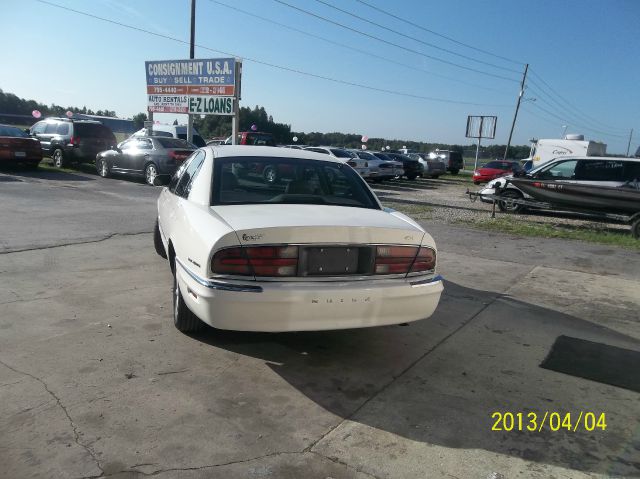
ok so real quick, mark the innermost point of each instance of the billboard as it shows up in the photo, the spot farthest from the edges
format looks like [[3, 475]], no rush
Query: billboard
[[205, 87]]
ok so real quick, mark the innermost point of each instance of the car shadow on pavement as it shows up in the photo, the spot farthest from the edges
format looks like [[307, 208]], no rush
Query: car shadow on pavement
[[43, 174], [439, 381]]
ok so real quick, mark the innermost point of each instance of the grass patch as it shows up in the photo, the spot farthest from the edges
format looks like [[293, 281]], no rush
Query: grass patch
[[415, 211], [459, 178], [600, 234]]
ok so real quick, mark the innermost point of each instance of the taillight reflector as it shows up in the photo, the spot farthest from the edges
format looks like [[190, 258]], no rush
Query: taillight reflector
[[256, 260]]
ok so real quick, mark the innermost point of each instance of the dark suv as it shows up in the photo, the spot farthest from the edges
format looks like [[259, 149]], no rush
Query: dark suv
[[67, 140], [452, 160]]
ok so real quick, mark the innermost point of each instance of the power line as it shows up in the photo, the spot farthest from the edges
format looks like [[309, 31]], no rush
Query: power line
[[415, 39], [439, 34], [273, 65], [567, 103], [364, 52], [569, 117], [324, 19], [581, 126]]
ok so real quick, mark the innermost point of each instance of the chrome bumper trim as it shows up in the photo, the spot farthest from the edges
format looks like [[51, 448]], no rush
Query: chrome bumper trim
[[435, 279], [219, 285]]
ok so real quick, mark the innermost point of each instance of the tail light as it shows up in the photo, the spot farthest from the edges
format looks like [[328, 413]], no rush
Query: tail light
[[256, 261], [75, 140], [352, 164], [178, 156], [404, 259]]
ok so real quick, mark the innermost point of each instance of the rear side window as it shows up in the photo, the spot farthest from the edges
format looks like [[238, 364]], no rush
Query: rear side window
[[600, 170], [340, 153], [63, 129], [632, 171], [186, 180], [197, 140]]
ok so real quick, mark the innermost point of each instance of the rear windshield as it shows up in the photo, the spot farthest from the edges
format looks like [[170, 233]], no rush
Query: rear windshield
[[259, 180], [498, 165], [93, 130], [12, 131], [175, 143], [341, 153], [264, 139], [197, 139]]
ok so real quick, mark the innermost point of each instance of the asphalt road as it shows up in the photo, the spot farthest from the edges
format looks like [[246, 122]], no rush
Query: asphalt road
[[96, 382]]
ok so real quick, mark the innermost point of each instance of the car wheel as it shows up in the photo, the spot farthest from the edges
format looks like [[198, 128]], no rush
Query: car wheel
[[270, 174], [183, 319], [508, 206], [412, 176], [157, 242], [150, 173], [58, 158], [103, 168], [454, 172]]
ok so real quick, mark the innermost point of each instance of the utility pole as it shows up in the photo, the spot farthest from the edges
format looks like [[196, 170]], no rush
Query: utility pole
[[191, 56], [629, 144], [515, 116]]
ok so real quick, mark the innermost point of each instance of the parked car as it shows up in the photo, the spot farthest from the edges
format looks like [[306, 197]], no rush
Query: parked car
[[258, 138], [412, 168], [144, 157], [495, 169], [593, 170], [351, 159], [452, 159], [172, 131], [433, 167], [17, 147], [315, 252], [69, 140], [379, 169]]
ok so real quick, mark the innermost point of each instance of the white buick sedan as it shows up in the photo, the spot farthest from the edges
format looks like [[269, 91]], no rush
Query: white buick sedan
[[313, 250]]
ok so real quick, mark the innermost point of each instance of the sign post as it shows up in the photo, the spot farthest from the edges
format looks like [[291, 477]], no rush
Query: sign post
[[481, 127]]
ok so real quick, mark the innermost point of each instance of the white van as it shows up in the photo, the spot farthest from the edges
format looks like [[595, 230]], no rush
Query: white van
[[173, 131]]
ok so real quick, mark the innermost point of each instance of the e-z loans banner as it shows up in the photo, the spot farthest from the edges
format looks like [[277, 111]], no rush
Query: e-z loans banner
[[205, 87]]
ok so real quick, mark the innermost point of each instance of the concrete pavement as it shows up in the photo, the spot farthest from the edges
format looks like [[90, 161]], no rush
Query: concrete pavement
[[96, 382]]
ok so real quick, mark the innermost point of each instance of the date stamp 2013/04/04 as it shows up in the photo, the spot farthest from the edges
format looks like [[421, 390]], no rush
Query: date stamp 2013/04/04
[[550, 420]]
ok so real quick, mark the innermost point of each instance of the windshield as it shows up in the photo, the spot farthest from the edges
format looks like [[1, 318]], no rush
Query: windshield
[[337, 152], [258, 180]]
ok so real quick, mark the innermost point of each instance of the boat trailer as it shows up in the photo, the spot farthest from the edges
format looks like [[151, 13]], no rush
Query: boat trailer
[[507, 202]]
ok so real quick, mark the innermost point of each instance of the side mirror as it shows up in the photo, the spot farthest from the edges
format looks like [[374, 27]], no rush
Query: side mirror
[[161, 180], [28, 131]]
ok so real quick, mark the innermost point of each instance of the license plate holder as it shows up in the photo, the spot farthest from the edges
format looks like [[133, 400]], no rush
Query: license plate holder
[[331, 260]]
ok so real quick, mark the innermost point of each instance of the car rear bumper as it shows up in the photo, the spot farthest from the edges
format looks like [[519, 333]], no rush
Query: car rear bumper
[[308, 306]]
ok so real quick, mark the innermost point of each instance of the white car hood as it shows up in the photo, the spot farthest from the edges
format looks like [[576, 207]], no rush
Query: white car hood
[[256, 224]]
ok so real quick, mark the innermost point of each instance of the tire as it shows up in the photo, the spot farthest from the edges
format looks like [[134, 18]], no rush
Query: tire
[[510, 207], [454, 172], [103, 168], [150, 173], [270, 174], [183, 319], [635, 229], [58, 158], [412, 176], [157, 242]]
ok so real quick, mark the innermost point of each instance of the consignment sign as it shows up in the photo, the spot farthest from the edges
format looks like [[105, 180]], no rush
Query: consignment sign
[[204, 87]]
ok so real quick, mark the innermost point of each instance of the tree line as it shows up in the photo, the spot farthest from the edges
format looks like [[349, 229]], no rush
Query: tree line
[[257, 118]]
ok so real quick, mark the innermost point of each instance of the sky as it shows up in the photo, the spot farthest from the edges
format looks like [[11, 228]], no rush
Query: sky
[[405, 69]]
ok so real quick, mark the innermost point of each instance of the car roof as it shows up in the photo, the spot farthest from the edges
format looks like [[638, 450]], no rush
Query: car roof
[[618, 158], [225, 151]]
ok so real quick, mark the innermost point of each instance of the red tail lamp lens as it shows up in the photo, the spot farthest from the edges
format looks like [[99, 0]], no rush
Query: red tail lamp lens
[[257, 260], [425, 261], [404, 259]]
